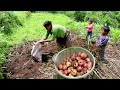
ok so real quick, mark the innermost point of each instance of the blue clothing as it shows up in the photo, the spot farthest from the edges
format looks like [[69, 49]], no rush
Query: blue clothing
[[102, 40]]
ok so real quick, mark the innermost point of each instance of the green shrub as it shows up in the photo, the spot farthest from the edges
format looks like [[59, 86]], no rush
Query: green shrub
[[8, 20]]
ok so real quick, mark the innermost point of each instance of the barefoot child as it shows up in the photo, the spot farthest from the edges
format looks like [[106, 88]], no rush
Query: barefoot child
[[101, 42], [89, 28]]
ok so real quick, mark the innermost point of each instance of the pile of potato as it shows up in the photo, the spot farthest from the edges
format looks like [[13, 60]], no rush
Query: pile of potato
[[76, 65]]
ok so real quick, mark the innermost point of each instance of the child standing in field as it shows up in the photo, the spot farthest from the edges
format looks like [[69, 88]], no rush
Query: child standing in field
[[89, 28], [101, 42]]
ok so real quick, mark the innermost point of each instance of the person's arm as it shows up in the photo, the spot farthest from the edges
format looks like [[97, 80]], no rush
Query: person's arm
[[104, 42], [48, 40], [100, 42], [46, 36], [90, 26], [42, 40]]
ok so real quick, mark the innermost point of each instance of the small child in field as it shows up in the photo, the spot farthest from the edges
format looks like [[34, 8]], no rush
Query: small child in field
[[101, 42], [89, 28]]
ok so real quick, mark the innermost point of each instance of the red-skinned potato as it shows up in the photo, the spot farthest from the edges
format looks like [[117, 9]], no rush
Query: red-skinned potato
[[84, 70], [78, 58], [88, 60], [66, 60], [81, 73], [60, 66], [80, 63], [84, 61], [84, 55], [66, 72], [89, 65], [79, 68], [70, 60], [73, 57], [64, 67], [79, 54], [85, 65], [68, 57], [61, 71]]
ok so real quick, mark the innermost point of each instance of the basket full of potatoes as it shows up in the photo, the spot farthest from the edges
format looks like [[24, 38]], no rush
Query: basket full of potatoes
[[74, 63]]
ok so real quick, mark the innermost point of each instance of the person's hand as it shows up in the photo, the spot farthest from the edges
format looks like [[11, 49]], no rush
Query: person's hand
[[36, 43], [42, 41]]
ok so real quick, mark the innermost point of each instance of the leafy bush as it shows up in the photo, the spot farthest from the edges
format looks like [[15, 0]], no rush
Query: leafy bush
[[79, 15], [8, 20]]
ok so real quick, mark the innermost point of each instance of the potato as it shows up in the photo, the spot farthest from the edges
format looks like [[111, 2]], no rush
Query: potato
[[64, 67], [74, 64], [73, 58], [79, 54], [70, 68], [84, 61], [84, 55], [65, 60], [84, 70], [74, 55], [78, 74], [79, 68], [66, 72], [85, 65], [78, 58], [70, 60], [80, 63], [87, 59], [74, 72], [89, 65], [61, 71], [70, 75], [81, 73], [68, 64], [60, 66]]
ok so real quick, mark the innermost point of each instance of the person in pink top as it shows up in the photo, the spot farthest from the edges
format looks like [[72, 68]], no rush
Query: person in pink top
[[89, 28]]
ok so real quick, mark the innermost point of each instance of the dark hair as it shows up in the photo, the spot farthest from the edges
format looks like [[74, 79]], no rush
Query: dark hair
[[90, 20], [106, 29], [47, 23]]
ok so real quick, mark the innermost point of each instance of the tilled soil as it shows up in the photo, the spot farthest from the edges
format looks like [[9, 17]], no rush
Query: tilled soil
[[21, 65]]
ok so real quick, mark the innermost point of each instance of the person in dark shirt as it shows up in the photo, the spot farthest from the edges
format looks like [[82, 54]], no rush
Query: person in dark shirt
[[101, 42]]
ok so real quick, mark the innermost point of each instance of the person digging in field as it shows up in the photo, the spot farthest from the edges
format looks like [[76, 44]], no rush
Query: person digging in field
[[101, 42], [59, 32], [89, 28]]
